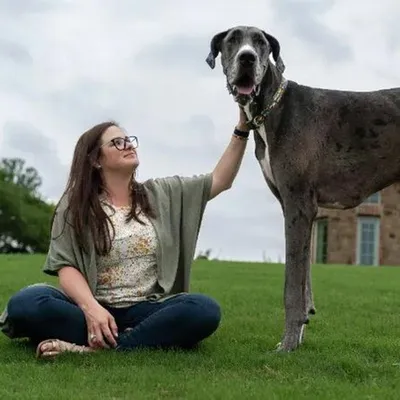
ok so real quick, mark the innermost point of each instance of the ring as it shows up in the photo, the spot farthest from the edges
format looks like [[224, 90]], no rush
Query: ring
[[92, 336]]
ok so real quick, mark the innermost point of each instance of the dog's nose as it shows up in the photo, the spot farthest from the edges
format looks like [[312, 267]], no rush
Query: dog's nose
[[247, 58]]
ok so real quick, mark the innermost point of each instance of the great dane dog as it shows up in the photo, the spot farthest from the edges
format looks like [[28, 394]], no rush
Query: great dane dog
[[316, 147]]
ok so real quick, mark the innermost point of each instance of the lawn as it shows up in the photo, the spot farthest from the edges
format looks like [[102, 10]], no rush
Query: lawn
[[351, 349]]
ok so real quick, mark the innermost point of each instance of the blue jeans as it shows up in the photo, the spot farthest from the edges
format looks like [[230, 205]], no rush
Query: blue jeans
[[181, 322]]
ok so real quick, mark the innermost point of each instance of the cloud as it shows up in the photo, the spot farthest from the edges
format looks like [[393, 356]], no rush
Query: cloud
[[15, 52], [303, 20], [23, 140], [250, 228], [177, 54], [15, 68], [20, 7]]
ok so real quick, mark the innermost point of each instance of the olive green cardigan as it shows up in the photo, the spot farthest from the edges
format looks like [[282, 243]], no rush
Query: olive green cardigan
[[179, 204]]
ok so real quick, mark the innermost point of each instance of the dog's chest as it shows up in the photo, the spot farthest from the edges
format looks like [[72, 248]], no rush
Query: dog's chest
[[265, 159]]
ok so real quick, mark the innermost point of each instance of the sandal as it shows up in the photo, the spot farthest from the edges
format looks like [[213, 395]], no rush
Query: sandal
[[53, 347]]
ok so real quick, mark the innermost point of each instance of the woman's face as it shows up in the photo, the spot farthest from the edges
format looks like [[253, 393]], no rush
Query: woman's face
[[118, 151]]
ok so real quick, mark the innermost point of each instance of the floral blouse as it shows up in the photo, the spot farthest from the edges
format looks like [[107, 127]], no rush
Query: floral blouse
[[128, 273]]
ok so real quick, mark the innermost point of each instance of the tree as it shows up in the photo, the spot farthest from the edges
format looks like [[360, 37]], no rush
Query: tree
[[204, 255], [13, 171], [24, 217]]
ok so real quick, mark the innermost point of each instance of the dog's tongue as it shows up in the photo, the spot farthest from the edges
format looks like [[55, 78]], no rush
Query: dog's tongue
[[245, 89]]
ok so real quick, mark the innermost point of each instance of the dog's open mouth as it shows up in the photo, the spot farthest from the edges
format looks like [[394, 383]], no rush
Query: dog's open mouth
[[245, 85]]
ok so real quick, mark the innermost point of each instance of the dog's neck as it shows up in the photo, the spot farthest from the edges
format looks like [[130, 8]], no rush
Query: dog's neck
[[269, 86]]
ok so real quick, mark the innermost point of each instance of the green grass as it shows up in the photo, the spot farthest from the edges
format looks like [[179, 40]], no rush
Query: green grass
[[351, 349]]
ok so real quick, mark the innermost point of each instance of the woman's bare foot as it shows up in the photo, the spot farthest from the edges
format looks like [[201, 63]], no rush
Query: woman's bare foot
[[53, 347]]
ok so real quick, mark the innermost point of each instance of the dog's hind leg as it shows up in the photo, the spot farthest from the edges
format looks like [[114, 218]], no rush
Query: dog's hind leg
[[310, 305], [309, 293], [299, 213]]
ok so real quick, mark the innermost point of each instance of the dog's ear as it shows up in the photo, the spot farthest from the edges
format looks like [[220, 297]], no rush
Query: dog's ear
[[276, 49], [215, 48]]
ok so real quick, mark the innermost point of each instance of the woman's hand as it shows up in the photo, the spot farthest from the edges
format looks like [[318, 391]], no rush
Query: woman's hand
[[99, 321], [101, 326], [242, 126]]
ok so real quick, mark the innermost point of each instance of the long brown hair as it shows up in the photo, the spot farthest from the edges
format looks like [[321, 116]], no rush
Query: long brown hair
[[84, 187]]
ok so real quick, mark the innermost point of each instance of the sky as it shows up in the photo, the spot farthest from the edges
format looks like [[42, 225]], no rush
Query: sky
[[66, 65]]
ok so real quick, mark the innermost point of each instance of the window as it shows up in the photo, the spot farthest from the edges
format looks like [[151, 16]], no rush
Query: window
[[368, 240], [321, 241], [375, 198]]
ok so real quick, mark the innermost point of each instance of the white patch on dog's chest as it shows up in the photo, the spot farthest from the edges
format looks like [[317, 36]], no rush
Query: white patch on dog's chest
[[265, 162]]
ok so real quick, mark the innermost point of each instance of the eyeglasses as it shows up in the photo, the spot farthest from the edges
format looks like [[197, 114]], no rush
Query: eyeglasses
[[122, 143]]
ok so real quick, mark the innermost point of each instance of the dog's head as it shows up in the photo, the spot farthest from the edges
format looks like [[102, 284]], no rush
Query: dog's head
[[245, 52]]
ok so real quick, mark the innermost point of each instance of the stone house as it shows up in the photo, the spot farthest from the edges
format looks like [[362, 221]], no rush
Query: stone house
[[365, 235]]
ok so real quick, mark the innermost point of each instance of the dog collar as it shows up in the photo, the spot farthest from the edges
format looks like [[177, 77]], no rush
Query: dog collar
[[259, 119]]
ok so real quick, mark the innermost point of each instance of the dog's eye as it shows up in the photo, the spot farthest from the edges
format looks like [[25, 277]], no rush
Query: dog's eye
[[234, 38], [257, 39]]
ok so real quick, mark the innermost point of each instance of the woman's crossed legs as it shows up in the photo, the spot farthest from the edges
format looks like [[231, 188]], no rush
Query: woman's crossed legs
[[44, 314]]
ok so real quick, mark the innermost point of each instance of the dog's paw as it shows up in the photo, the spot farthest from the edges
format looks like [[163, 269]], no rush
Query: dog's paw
[[292, 340], [278, 347]]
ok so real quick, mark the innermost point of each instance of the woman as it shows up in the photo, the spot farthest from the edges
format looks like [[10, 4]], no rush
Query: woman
[[122, 251]]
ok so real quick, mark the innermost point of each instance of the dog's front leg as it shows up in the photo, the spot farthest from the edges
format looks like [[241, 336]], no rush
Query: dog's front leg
[[299, 215]]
